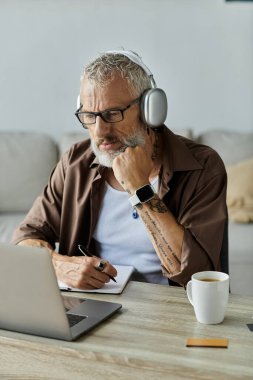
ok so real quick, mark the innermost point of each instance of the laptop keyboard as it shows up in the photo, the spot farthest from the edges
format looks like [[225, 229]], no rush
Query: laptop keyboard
[[74, 319]]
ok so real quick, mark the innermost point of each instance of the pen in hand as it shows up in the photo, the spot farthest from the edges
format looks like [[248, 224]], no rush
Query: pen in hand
[[85, 252]]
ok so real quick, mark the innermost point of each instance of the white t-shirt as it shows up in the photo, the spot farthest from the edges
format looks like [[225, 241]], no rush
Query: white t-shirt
[[123, 240]]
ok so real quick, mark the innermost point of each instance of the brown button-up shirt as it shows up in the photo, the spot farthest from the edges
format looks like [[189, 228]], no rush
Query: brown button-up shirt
[[192, 185]]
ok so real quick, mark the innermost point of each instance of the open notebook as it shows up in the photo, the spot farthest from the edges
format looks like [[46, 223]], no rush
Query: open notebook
[[124, 274]]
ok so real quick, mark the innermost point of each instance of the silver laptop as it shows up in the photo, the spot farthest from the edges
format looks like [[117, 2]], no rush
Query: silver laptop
[[31, 302]]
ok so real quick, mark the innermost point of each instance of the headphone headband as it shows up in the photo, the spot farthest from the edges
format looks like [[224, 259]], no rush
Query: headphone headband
[[134, 57]]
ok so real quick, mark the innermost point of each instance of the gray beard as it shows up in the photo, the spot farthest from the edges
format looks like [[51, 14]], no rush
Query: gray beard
[[106, 159]]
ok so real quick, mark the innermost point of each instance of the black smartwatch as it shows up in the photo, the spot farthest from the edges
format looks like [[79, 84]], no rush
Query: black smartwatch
[[142, 195]]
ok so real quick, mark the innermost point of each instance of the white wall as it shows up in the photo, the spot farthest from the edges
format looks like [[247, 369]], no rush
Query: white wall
[[200, 51]]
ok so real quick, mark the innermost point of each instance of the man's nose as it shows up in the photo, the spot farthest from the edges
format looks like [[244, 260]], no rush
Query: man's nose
[[101, 127]]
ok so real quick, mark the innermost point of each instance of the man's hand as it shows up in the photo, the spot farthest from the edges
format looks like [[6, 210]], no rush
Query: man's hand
[[75, 271], [132, 168], [80, 271]]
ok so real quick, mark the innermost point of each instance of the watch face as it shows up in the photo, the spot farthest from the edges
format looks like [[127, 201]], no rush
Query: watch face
[[145, 193]]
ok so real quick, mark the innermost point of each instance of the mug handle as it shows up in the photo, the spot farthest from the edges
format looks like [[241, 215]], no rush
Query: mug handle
[[189, 291]]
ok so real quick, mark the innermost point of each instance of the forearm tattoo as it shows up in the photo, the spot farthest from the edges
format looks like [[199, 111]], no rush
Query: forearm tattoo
[[122, 183], [157, 235], [155, 204]]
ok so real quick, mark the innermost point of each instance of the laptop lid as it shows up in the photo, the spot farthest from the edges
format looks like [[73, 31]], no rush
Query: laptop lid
[[32, 303]]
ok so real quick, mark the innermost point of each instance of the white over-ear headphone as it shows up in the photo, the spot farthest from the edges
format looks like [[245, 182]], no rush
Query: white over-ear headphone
[[153, 103]]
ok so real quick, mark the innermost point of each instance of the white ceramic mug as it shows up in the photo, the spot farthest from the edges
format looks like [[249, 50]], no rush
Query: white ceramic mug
[[208, 293]]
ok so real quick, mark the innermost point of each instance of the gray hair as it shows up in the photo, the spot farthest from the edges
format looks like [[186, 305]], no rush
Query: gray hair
[[102, 70]]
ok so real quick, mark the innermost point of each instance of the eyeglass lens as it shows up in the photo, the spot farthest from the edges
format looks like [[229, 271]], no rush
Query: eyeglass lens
[[108, 116]]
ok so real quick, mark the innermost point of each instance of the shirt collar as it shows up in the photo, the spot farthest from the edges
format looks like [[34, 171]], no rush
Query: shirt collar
[[178, 153], [176, 157], [94, 163]]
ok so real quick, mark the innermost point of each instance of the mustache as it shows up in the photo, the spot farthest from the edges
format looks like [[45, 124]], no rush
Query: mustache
[[131, 141], [108, 139]]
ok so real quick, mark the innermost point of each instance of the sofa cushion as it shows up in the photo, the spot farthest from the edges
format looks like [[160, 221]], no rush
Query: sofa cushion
[[8, 223], [241, 258], [187, 132], [26, 160], [71, 138], [233, 147], [240, 191]]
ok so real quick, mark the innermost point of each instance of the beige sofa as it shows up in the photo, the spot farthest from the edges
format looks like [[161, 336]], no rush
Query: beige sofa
[[26, 160]]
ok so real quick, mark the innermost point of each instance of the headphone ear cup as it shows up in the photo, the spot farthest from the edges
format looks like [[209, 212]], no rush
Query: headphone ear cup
[[154, 107]]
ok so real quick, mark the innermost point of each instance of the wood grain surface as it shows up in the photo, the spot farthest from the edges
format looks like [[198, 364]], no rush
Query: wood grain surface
[[145, 340]]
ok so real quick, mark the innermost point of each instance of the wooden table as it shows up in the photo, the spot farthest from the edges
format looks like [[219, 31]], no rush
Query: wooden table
[[146, 340]]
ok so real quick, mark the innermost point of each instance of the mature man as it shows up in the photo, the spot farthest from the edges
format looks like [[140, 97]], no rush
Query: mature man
[[100, 194]]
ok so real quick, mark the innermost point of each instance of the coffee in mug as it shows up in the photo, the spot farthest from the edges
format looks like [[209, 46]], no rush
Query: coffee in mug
[[208, 292]]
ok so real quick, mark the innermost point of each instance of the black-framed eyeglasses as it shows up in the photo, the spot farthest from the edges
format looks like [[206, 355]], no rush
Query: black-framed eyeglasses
[[113, 115]]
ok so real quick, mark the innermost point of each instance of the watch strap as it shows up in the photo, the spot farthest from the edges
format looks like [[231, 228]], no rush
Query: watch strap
[[134, 200]]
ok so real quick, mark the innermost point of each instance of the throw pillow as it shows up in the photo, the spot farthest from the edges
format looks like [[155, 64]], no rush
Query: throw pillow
[[240, 191]]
